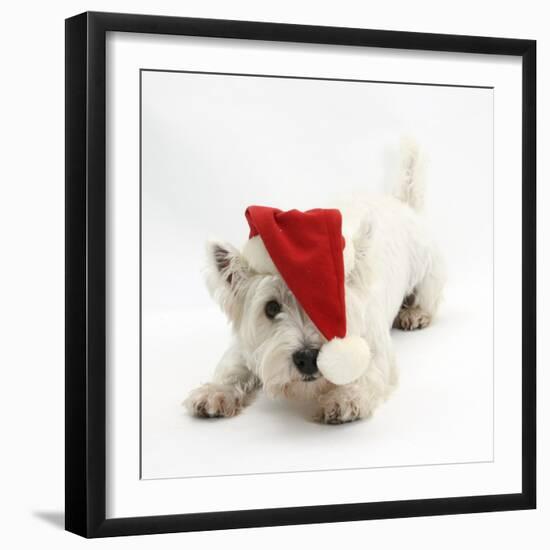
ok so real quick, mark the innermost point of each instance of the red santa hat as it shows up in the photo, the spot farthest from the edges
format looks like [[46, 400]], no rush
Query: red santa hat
[[308, 251]]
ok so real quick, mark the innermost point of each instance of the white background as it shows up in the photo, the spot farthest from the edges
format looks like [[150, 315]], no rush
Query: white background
[[213, 144], [32, 285]]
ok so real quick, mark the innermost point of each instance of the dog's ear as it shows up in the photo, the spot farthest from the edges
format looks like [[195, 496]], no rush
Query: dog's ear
[[362, 238], [227, 276]]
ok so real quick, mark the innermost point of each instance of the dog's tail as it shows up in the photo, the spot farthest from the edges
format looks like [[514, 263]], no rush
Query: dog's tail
[[410, 186]]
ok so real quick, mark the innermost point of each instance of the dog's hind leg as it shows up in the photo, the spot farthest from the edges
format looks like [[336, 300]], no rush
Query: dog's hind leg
[[420, 307], [232, 388]]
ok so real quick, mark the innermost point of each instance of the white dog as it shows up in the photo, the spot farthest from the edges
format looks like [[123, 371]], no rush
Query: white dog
[[394, 277]]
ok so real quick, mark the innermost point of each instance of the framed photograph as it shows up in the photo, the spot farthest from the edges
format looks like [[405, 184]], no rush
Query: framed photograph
[[300, 274]]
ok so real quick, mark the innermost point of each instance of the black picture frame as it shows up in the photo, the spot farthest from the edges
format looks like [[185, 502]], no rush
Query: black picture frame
[[85, 491]]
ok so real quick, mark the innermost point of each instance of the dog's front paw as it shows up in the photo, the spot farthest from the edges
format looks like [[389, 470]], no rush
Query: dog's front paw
[[411, 318], [339, 407], [215, 401]]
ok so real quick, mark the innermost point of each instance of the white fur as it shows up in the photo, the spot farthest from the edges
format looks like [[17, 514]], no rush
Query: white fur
[[397, 279]]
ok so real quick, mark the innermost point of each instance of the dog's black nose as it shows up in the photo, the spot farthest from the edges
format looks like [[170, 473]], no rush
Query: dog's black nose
[[306, 360]]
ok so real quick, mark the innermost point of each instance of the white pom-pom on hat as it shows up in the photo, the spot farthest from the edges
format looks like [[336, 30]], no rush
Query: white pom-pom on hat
[[344, 360]]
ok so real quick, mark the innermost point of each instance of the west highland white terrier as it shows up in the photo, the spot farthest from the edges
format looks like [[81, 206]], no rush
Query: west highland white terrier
[[312, 298]]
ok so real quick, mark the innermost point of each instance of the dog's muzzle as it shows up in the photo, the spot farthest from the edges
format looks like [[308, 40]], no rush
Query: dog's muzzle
[[305, 360]]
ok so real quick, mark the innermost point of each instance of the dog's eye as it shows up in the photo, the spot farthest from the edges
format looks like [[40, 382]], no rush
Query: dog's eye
[[272, 308]]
